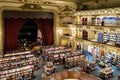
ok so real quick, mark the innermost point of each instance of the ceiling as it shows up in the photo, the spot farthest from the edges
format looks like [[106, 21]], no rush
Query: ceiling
[[59, 5], [56, 3], [80, 1], [76, 0]]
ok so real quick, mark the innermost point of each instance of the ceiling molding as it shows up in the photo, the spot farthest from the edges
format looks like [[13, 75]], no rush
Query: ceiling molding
[[31, 6], [38, 4]]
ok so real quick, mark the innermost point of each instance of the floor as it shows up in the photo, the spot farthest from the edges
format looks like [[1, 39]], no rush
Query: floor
[[89, 57]]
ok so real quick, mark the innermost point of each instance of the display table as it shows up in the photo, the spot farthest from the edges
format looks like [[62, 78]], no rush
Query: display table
[[71, 75], [102, 64], [49, 68], [106, 73]]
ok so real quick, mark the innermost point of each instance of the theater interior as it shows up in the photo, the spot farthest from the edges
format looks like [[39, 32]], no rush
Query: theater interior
[[59, 39]]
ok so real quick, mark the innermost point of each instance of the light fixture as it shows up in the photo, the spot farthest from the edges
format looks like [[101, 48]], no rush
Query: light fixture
[[60, 33]]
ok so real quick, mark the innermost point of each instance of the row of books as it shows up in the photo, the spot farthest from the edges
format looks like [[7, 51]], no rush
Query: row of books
[[15, 65]]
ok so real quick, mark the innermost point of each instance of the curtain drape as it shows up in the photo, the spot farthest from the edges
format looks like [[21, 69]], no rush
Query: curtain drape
[[46, 28], [11, 30], [13, 25]]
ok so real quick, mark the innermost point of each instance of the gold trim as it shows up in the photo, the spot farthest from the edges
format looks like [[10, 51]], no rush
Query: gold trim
[[20, 9], [31, 6]]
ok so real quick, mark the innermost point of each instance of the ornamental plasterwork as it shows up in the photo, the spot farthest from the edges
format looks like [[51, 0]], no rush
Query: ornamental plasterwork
[[31, 6], [51, 3]]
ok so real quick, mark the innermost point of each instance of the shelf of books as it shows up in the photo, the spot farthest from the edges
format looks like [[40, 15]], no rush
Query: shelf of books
[[56, 54], [73, 59], [16, 65]]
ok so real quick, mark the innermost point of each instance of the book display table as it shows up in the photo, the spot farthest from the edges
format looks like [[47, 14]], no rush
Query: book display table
[[71, 75]]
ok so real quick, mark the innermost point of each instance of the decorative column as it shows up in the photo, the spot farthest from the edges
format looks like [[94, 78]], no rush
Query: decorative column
[[78, 21], [55, 28], [73, 43], [1, 34], [60, 32]]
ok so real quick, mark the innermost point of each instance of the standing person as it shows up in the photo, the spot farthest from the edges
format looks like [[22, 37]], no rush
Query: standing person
[[63, 60], [83, 69], [24, 77], [43, 57], [54, 68], [102, 23], [41, 42], [88, 69]]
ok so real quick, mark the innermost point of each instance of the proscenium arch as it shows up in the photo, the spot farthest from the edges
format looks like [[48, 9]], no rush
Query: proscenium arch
[[2, 36], [14, 20]]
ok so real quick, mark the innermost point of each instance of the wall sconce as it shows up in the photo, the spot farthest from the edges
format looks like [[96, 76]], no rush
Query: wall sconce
[[73, 33], [112, 30], [96, 29], [102, 30], [71, 38], [60, 32]]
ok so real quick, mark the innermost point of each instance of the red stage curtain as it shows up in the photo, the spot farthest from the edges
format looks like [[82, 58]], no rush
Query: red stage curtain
[[11, 30], [46, 28], [13, 25]]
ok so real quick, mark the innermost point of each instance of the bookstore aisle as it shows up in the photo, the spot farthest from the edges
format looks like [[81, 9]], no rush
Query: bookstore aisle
[[39, 72], [96, 72]]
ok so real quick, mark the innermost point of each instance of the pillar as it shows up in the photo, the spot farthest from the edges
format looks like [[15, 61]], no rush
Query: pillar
[[1, 34]]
